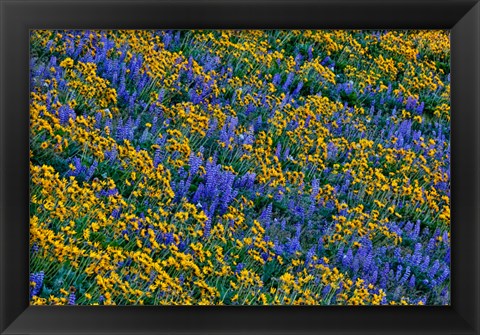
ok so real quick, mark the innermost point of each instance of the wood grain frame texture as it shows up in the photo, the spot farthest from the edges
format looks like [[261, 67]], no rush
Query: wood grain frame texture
[[17, 17]]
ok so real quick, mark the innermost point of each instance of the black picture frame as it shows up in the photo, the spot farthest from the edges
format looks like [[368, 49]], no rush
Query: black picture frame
[[17, 17]]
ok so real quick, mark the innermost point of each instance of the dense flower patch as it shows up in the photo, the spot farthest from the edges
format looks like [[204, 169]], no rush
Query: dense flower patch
[[240, 167]]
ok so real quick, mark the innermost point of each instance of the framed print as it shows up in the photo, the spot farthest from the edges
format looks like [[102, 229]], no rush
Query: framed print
[[223, 167], [239, 167]]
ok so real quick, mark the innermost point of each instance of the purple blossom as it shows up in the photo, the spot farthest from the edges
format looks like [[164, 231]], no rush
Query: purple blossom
[[36, 278], [266, 216], [65, 113], [72, 299], [288, 81]]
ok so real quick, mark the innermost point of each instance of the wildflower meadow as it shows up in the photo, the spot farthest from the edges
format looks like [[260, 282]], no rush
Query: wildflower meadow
[[222, 167]]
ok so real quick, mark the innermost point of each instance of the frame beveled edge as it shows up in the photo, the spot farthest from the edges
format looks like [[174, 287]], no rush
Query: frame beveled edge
[[17, 17], [465, 93]]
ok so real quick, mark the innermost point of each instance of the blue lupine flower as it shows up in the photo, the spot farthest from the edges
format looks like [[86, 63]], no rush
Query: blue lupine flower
[[36, 278], [310, 53], [207, 228], [266, 216], [417, 256], [293, 245], [399, 272], [65, 113], [444, 275], [310, 254], [288, 81], [411, 282], [72, 298], [406, 275], [367, 262], [116, 213], [91, 170], [411, 104], [425, 264], [348, 258], [326, 290], [434, 269]]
